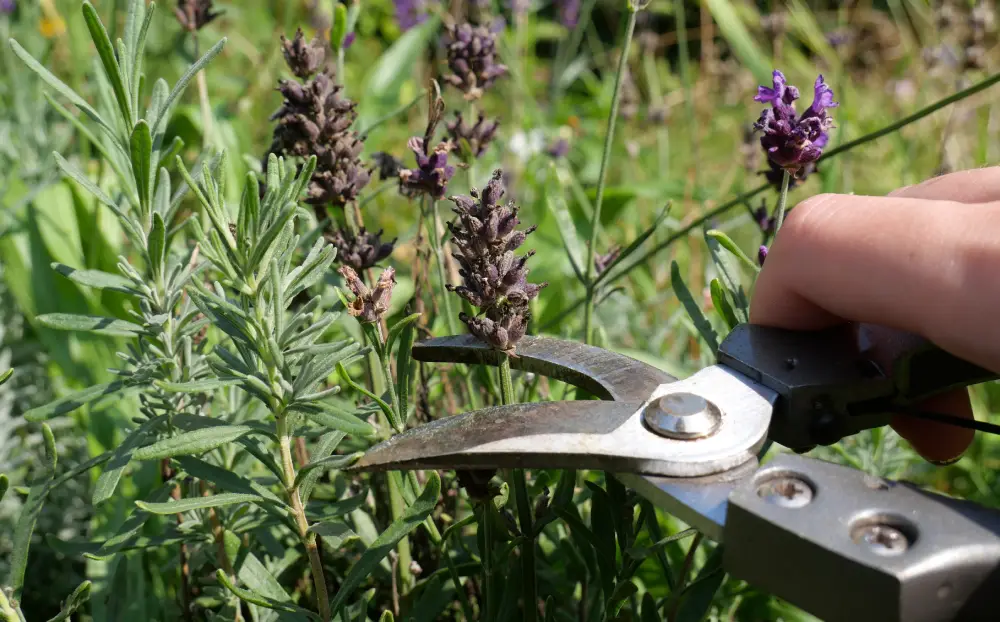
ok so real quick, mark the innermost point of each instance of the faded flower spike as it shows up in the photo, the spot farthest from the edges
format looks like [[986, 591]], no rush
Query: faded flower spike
[[477, 136], [472, 59], [195, 14], [369, 305], [361, 251], [304, 59], [432, 173], [315, 119], [792, 142], [494, 279]]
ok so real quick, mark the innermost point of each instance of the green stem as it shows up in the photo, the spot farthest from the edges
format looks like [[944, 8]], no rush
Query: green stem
[[397, 507], [8, 611], [486, 524], [524, 518], [609, 136], [386, 366], [307, 537], [779, 217]]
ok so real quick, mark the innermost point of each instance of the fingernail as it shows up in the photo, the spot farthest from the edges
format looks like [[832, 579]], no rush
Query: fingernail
[[947, 462]]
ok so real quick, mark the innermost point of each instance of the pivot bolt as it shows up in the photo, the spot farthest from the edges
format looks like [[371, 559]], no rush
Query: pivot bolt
[[683, 416], [786, 491]]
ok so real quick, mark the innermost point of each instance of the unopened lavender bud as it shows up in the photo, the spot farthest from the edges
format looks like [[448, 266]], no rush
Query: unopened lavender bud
[[472, 58], [761, 254], [477, 136]]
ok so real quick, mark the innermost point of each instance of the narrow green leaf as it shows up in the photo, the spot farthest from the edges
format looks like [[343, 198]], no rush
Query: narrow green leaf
[[405, 370], [4, 485], [387, 540], [225, 479], [192, 443], [197, 386], [156, 247], [386, 615], [199, 503], [329, 417], [96, 279], [397, 328], [650, 612], [107, 53], [91, 324], [329, 463], [129, 530], [339, 30], [120, 458], [644, 552], [397, 62], [335, 533], [79, 177], [141, 151], [5, 376], [259, 599], [76, 600], [700, 593], [137, 49], [727, 243], [183, 82], [326, 446], [694, 311], [720, 299], [29, 514], [623, 592], [58, 85], [567, 232], [267, 241], [73, 401]]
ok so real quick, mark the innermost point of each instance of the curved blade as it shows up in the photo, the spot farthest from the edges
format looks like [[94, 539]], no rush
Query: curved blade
[[573, 434], [605, 374]]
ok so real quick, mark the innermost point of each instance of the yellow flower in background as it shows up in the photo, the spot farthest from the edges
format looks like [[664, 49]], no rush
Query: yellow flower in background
[[52, 24]]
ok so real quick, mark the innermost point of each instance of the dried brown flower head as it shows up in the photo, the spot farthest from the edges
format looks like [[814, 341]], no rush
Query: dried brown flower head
[[369, 305], [304, 59], [195, 14]]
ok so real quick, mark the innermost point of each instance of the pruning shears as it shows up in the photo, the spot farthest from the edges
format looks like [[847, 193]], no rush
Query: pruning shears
[[839, 543]]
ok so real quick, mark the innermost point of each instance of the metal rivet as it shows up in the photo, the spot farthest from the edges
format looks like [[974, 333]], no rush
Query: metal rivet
[[880, 539], [683, 416], [787, 492]]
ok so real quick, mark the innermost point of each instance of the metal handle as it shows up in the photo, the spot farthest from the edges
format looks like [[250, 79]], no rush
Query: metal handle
[[844, 545]]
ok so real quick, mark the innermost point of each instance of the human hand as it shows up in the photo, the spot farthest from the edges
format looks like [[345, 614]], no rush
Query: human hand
[[923, 261]]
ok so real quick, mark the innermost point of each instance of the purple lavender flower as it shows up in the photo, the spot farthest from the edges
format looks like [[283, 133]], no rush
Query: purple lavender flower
[[432, 173], [569, 12], [765, 221], [361, 251], [409, 13], [761, 254], [472, 58], [792, 142], [7, 6], [349, 39], [558, 149]]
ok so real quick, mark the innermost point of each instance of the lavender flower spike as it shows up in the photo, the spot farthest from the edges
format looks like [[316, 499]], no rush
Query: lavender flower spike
[[793, 142]]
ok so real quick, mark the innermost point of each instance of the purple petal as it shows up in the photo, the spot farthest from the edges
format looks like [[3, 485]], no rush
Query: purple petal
[[767, 95], [822, 97]]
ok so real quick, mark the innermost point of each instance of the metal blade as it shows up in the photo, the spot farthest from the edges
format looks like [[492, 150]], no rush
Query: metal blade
[[701, 502], [574, 434], [605, 374]]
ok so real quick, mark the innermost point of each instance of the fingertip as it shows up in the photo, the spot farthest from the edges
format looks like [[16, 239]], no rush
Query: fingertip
[[937, 442]]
